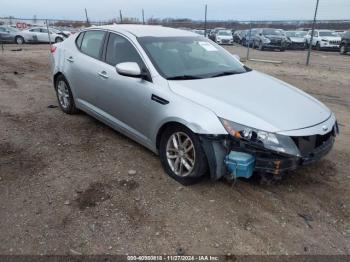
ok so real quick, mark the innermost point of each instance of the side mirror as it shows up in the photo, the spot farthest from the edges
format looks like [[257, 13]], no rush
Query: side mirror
[[130, 69], [260, 34]]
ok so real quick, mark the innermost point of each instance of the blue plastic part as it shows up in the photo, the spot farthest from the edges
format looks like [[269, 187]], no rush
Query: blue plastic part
[[240, 164]]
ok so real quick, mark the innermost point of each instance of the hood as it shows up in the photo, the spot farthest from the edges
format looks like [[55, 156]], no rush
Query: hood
[[225, 36], [331, 38], [274, 36], [256, 100], [297, 39]]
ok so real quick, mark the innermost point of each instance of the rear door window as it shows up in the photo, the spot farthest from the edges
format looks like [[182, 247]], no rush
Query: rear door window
[[92, 43]]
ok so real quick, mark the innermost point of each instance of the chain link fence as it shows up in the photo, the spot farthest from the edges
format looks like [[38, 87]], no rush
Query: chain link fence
[[247, 36]]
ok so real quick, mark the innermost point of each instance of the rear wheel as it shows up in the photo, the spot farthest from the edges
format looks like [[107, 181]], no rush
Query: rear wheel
[[19, 40], [65, 96], [182, 155]]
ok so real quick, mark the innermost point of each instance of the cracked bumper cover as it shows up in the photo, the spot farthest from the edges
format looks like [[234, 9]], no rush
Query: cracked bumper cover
[[267, 161]]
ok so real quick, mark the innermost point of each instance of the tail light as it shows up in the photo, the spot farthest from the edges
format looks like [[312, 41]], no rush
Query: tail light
[[53, 49]]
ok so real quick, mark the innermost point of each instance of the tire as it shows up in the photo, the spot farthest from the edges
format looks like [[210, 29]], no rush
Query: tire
[[282, 49], [261, 46], [343, 50], [64, 96], [199, 165], [19, 40], [58, 40], [318, 46]]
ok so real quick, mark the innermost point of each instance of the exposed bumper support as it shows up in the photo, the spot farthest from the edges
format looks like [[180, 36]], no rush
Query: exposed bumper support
[[267, 161]]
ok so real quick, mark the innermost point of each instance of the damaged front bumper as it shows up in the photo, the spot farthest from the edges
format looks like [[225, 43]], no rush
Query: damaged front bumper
[[266, 160]]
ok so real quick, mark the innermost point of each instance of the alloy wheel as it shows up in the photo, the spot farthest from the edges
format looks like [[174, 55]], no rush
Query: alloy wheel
[[63, 94], [180, 153]]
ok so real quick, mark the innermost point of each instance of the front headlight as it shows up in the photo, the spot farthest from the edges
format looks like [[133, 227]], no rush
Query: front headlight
[[324, 40], [272, 141], [266, 40]]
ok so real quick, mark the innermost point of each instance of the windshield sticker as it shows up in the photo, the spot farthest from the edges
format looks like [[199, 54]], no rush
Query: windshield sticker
[[207, 46]]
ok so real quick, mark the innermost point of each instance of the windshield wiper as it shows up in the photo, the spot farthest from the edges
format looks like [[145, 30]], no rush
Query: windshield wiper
[[226, 73], [183, 77]]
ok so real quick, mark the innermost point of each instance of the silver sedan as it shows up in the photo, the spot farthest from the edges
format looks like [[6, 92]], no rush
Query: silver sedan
[[189, 100]]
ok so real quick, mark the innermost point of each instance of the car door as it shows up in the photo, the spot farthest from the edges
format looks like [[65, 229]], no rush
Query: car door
[[5, 35], [82, 65], [124, 100]]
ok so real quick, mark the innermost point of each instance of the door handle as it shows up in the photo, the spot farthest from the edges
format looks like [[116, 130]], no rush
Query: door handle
[[70, 59], [103, 74]]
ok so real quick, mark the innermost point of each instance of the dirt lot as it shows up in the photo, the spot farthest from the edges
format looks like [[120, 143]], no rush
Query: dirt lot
[[65, 186]]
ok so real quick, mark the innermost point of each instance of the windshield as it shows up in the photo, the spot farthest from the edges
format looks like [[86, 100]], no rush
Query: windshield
[[11, 29], [272, 32], [179, 58], [224, 33], [296, 33], [328, 33]]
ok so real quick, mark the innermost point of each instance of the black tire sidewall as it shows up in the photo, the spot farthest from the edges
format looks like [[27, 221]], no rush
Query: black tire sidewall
[[19, 37], [201, 163], [71, 109]]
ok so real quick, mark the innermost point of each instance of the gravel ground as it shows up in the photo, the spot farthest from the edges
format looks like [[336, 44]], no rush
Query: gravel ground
[[67, 186]]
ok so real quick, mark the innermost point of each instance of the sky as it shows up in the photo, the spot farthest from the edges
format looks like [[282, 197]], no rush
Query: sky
[[194, 9]]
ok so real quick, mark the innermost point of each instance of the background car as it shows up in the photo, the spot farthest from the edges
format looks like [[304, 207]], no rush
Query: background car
[[38, 35], [238, 36], [270, 38], [345, 43], [296, 39], [224, 37], [8, 34], [324, 39], [248, 37]]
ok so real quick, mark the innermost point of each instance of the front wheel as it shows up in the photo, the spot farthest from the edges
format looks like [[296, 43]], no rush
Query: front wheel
[[343, 50], [58, 40], [261, 46], [19, 40], [182, 155], [318, 46]]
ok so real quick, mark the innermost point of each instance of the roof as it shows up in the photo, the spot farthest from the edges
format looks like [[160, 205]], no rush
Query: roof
[[147, 30]]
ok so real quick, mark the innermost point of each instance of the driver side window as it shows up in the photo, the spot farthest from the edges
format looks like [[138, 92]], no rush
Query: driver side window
[[120, 50]]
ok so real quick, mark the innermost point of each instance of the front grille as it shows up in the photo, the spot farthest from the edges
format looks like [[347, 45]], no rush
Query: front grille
[[308, 144], [334, 42], [276, 42]]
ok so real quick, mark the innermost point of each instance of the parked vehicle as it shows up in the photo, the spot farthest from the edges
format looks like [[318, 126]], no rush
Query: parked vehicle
[[249, 37], [190, 101], [38, 35], [214, 32], [345, 43], [238, 36], [270, 38], [224, 37], [324, 39], [296, 39], [8, 34]]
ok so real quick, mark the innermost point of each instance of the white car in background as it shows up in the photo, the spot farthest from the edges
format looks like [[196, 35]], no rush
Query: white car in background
[[38, 35], [324, 39], [224, 37]]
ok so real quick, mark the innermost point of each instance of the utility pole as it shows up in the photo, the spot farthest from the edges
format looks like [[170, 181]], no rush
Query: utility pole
[[87, 18], [121, 16], [143, 16], [312, 34], [48, 32], [250, 35], [205, 21]]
